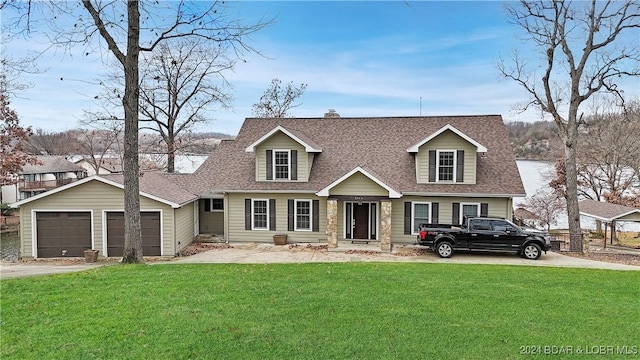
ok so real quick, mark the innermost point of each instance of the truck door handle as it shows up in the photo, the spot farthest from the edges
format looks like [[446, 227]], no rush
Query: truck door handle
[[474, 234], [496, 235]]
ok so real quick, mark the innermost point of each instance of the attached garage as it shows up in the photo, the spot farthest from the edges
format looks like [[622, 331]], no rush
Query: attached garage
[[151, 233], [88, 214], [62, 234]]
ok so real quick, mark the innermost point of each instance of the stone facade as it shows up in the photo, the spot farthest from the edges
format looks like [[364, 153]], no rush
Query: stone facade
[[385, 225], [332, 223]]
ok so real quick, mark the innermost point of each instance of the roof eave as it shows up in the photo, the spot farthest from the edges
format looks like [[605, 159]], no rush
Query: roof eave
[[479, 147], [393, 194], [307, 147]]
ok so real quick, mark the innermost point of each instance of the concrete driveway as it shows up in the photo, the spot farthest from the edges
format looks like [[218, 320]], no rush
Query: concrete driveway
[[9, 270], [267, 253]]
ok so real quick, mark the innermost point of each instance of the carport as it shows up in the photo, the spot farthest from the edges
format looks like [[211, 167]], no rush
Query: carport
[[609, 214]]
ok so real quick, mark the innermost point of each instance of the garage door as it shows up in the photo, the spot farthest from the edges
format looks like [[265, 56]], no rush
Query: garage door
[[61, 234], [150, 223]]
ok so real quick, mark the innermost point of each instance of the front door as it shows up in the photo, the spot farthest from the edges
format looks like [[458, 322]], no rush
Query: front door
[[361, 221]]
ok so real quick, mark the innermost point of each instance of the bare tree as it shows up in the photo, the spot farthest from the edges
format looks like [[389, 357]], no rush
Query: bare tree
[[100, 146], [182, 81], [11, 79], [584, 53], [126, 33], [42, 142], [12, 135], [546, 205], [277, 100], [609, 145]]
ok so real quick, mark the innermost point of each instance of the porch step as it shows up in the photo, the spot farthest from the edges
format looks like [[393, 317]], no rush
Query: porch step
[[209, 238], [371, 246]]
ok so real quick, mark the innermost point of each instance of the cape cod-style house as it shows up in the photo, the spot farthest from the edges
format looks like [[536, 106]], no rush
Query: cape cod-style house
[[320, 180]]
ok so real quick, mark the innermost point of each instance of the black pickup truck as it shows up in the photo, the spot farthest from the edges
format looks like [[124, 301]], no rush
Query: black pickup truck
[[485, 234]]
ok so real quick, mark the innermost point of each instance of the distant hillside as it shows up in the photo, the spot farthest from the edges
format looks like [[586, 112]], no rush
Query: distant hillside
[[534, 141]]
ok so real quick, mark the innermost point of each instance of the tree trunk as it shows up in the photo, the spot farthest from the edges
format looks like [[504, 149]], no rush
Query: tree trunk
[[573, 211], [171, 154], [132, 228]]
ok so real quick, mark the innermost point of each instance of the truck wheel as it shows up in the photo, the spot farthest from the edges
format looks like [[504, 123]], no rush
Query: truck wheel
[[444, 249], [532, 251]]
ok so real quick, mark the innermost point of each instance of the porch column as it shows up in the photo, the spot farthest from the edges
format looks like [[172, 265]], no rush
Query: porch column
[[385, 225], [332, 223]]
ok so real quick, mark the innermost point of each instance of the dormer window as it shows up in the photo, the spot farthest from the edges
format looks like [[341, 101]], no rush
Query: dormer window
[[446, 165], [281, 164]]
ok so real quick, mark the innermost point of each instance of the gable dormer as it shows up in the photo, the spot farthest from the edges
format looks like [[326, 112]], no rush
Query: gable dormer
[[283, 155], [448, 156]]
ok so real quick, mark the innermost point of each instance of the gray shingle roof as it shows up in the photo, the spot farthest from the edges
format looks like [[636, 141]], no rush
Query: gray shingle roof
[[161, 185], [51, 164], [378, 145], [605, 211]]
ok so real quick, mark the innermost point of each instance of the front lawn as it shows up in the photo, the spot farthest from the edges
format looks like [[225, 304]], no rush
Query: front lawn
[[319, 311]]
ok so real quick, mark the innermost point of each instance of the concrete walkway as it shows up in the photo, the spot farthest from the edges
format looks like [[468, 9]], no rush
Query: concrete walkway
[[302, 253], [267, 253]]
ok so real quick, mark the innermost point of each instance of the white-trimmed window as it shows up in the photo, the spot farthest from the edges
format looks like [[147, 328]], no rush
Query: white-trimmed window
[[303, 215], [420, 214], [259, 214], [446, 169], [281, 164], [213, 205], [469, 210]]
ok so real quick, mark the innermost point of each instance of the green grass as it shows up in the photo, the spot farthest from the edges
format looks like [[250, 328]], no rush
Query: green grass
[[316, 311]]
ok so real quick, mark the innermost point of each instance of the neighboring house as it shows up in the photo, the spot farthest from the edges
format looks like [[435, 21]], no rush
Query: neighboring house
[[50, 172], [316, 180], [89, 214], [108, 165]]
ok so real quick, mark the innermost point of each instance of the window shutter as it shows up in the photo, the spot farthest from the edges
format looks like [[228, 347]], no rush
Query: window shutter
[[207, 205], [315, 225], [432, 166], [460, 166], [455, 214], [484, 209], [407, 218], [290, 214], [294, 164], [247, 214], [435, 212], [269, 165], [272, 214]]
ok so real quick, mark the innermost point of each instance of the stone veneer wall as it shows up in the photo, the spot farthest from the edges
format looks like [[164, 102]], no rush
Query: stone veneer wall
[[385, 225], [332, 223]]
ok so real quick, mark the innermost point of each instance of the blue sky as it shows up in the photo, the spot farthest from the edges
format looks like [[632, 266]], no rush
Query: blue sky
[[364, 58]]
